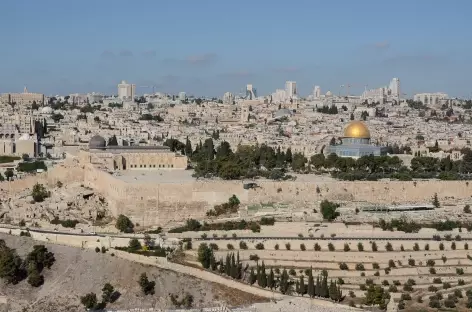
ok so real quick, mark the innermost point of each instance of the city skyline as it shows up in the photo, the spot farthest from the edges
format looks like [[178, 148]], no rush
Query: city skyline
[[208, 50]]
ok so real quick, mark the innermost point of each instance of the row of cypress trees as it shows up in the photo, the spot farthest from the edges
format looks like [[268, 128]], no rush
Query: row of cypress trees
[[232, 266]]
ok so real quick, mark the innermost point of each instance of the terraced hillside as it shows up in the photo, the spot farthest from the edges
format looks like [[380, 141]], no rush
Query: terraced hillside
[[416, 270]]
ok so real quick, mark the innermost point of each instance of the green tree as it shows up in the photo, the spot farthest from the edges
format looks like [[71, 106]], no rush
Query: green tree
[[11, 268], [436, 203], [124, 224], [311, 284], [205, 254], [113, 141], [147, 286], [328, 210], [34, 278], [9, 174], [39, 193], [302, 289], [89, 301], [271, 279], [134, 244], [107, 292], [288, 156], [188, 148]]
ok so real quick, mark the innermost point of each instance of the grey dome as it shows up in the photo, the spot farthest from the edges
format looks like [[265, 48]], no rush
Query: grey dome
[[97, 142]]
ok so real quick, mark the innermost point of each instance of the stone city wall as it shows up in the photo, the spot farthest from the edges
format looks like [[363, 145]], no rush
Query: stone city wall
[[162, 203]]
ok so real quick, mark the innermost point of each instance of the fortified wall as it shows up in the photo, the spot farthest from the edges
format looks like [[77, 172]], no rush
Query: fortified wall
[[161, 203]]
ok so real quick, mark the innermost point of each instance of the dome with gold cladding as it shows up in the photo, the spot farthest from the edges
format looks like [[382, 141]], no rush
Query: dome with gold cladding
[[357, 129]]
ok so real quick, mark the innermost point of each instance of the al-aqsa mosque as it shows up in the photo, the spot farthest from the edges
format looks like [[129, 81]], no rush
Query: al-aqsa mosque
[[355, 142]]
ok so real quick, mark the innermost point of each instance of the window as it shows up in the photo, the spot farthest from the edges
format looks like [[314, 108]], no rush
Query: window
[[140, 166]]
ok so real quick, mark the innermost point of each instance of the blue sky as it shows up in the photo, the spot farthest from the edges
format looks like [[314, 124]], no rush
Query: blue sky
[[207, 47]]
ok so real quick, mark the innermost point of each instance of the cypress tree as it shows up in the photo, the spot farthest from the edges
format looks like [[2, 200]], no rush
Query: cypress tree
[[252, 277], [318, 287], [297, 287], [222, 266], [234, 267], [259, 278], [288, 156], [263, 279], [271, 279], [284, 282], [228, 266], [324, 285], [302, 285], [340, 294], [213, 263], [311, 286], [188, 148]]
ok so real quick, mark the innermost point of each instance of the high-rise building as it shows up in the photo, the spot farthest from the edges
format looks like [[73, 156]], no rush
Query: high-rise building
[[182, 96], [251, 92], [291, 89], [395, 87], [317, 92], [228, 98], [126, 91]]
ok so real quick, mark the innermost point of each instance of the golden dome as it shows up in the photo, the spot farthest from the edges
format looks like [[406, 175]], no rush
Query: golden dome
[[357, 129]]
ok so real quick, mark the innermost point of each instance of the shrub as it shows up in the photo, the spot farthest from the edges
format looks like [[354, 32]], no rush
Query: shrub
[[446, 285], [405, 297], [254, 258], [124, 224], [460, 271], [402, 248], [331, 247], [401, 305], [432, 288], [39, 193], [287, 246], [302, 247], [391, 263], [292, 272], [276, 247], [467, 209], [430, 263], [437, 280], [360, 246], [449, 303], [343, 266], [377, 273], [328, 210], [317, 247], [213, 246], [466, 246], [396, 283], [260, 246], [352, 294], [360, 267], [432, 270], [458, 293], [411, 262], [230, 247], [388, 247], [369, 281], [134, 244], [461, 282], [458, 238], [147, 287], [435, 304], [104, 250], [407, 287], [242, 245], [374, 246], [340, 281], [392, 288], [426, 247], [375, 266], [444, 259], [346, 247], [416, 247], [362, 287], [441, 246], [97, 249], [453, 246], [89, 301]]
